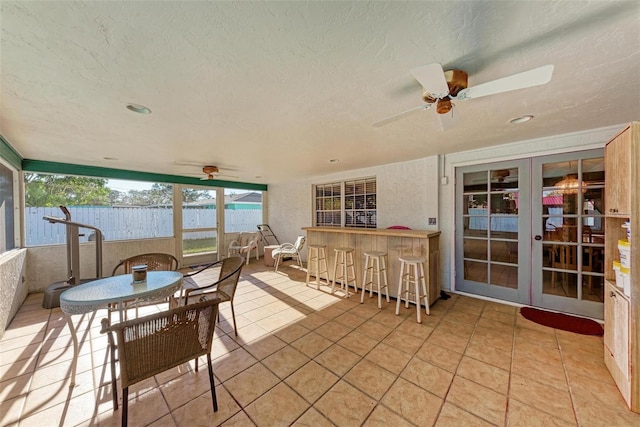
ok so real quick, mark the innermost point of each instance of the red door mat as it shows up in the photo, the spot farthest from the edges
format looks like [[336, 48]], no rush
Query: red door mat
[[566, 322]]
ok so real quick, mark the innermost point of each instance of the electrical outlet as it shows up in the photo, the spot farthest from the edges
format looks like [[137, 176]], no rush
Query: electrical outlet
[[432, 221]]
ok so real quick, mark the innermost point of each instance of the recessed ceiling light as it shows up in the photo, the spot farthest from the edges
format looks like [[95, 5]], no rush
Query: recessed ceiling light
[[110, 158], [334, 161], [138, 109], [521, 119]]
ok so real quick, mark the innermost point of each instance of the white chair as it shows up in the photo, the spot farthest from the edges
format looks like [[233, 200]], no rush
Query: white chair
[[289, 250], [246, 242]]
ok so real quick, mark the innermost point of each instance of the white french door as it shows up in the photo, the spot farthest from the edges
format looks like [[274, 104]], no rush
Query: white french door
[[531, 231]]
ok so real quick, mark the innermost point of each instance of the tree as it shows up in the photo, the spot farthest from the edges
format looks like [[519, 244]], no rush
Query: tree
[[56, 190]]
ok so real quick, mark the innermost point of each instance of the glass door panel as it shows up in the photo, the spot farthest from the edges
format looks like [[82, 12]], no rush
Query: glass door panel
[[568, 204], [199, 224], [489, 224]]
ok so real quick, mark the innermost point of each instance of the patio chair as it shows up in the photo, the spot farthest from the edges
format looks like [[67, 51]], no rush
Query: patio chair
[[201, 284], [155, 261], [246, 242], [289, 250], [153, 344]]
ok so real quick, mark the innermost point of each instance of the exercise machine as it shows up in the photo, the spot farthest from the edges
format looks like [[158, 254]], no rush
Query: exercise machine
[[52, 294]]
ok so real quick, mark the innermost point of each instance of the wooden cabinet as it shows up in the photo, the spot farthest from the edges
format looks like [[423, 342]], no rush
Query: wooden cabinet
[[618, 174], [622, 313], [616, 338]]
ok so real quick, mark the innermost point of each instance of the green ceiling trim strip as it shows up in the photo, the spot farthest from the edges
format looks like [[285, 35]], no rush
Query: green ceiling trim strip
[[94, 171], [9, 154]]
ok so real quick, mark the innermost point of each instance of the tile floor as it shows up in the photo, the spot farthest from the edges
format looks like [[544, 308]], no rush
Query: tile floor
[[308, 358]]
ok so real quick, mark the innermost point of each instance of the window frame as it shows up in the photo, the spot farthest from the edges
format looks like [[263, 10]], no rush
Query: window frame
[[351, 203]]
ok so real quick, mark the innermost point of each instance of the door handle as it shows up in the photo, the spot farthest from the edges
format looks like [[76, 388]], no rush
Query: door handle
[[538, 237]]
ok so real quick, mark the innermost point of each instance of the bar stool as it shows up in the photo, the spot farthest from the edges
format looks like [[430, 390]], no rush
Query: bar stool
[[342, 264], [375, 263], [412, 271], [317, 256]]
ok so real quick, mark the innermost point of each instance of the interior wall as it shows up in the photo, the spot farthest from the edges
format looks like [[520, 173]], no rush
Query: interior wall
[[48, 264], [578, 141], [13, 290], [405, 196]]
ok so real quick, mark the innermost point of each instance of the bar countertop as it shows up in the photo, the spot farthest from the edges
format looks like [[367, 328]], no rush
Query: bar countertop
[[376, 231]]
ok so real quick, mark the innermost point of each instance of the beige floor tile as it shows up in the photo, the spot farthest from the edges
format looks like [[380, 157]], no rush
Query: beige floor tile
[[280, 406], [538, 352], [384, 417], [439, 356], [485, 322], [11, 410], [452, 416], [285, 361], [345, 405], [520, 414], [238, 420], [350, 320], [462, 317], [188, 386], [448, 340], [338, 359], [430, 377], [491, 355], [264, 346], [312, 418], [551, 375], [291, 333], [413, 403], [494, 338], [375, 330], [358, 343], [389, 358], [404, 342], [11, 356], [463, 330], [370, 379], [547, 399], [233, 363], [489, 376], [199, 412], [311, 381], [312, 344], [251, 383], [333, 330], [478, 400]]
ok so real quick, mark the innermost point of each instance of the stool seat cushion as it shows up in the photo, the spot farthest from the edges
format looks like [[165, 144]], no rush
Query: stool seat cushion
[[412, 259], [375, 253], [344, 249]]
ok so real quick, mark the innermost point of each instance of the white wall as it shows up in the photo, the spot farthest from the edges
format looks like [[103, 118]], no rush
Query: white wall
[[407, 194]]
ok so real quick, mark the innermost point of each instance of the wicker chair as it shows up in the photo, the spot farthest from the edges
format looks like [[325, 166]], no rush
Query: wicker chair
[[153, 344], [154, 261], [202, 284]]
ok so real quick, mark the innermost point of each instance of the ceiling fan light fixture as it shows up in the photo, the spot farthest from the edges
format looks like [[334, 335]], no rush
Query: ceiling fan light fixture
[[522, 119], [443, 106]]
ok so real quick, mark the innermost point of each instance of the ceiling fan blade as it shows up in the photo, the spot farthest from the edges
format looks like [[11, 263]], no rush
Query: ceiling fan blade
[[400, 115], [432, 79], [536, 77]]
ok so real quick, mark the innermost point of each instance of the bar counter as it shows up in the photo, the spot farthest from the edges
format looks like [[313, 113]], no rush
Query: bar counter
[[396, 242]]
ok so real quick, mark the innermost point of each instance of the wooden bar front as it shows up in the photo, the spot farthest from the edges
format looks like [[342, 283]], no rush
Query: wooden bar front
[[394, 242]]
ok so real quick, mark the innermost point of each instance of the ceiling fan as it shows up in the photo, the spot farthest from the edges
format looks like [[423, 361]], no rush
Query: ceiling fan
[[441, 87], [210, 171]]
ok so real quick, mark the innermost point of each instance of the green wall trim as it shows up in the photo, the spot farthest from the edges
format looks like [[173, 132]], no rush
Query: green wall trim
[[99, 172], [9, 154]]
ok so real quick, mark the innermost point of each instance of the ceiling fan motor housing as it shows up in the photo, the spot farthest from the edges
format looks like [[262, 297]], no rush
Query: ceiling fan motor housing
[[456, 81]]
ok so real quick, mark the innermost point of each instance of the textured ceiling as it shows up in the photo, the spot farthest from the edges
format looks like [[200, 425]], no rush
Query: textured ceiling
[[278, 89]]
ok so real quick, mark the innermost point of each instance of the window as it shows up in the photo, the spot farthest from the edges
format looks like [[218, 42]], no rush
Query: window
[[242, 210], [122, 210], [7, 225], [349, 203]]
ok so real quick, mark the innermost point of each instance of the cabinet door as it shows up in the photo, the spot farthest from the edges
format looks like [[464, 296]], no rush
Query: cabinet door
[[621, 334], [609, 317], [618, 174]]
